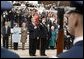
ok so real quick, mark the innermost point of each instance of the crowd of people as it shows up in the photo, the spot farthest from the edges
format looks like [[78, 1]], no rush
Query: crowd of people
[[42, 28]]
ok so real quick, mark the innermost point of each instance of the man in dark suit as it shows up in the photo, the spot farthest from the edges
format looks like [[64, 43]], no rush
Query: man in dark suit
[[75, 24], [43, 37], [6, 34], [33, 34]]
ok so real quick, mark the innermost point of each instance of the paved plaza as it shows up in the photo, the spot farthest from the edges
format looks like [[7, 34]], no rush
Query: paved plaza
[[25, 53]]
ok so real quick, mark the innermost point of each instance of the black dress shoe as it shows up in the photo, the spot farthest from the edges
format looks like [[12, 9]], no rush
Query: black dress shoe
[[32, 55], [43, 55]]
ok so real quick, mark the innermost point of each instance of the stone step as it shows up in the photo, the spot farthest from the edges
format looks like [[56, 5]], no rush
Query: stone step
[[19, 46]]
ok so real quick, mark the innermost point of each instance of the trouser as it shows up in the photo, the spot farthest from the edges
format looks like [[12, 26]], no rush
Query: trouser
[[32, 46], [38, 44], [23, 45], [5, 42], [43, 45], [15, 44], [47, 44]]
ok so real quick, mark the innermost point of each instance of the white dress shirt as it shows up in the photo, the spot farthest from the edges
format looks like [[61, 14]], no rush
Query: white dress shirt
[[78, 39]]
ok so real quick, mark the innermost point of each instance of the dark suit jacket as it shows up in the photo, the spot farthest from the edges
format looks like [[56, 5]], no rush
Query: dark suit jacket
[[43, 31], [33, 33], [75, 52], [8, 54], [4, 31]]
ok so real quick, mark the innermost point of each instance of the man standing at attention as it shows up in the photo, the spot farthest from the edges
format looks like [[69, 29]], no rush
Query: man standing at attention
[[75, 24]]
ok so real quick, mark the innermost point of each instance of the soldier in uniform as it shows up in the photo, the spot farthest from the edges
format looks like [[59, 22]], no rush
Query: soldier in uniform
[[75, 24]]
